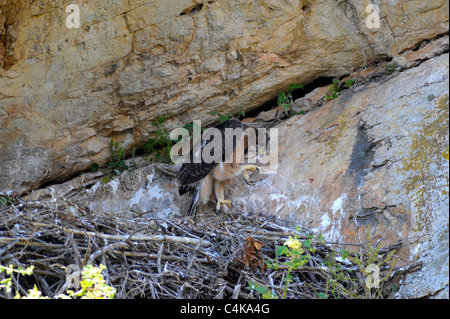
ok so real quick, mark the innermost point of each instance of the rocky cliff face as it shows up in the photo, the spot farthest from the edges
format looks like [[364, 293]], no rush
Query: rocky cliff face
[[64, 93], [374, 157]]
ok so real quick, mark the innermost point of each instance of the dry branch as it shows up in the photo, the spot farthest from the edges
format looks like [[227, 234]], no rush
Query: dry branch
[[216, 257], [169, 239]]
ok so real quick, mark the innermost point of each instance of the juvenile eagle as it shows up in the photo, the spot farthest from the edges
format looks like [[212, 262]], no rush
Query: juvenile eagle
[[218, 174]]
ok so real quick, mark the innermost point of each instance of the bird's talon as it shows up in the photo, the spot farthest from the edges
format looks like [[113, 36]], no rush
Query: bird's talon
[[224, 202], [249, 182], [250, 168]]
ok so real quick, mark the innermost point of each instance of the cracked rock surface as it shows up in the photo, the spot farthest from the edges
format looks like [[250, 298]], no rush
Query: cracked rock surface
[[372, 159], [65, 93]]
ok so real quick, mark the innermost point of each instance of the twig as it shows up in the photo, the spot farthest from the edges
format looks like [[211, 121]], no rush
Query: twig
[[105, 249], [163, 258], [169, 239], [155, 256]]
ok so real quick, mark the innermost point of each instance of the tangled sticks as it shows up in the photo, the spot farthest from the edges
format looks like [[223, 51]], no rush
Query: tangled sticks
[[217, 257]]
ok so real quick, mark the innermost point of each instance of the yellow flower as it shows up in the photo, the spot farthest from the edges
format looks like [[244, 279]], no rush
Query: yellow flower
[[293, 243]]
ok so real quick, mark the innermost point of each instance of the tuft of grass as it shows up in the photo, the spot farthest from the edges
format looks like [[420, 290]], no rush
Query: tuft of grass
[[390, 68]]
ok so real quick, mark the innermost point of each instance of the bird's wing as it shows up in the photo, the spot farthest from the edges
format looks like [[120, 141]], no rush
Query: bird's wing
[[190, 173]]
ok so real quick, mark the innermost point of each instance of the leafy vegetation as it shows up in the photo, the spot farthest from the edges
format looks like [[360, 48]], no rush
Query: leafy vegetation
[[296, 253], [95, 167], [159, 146], [92, 284], [116, 162], [225, 117], [286, 100], [6, 201], [7, 282], [294, 250], [390, 68], [348, 274], [372, 260], [117, 159], [338, 87]]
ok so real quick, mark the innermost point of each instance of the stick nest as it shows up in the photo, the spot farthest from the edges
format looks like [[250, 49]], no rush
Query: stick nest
[[215, 257]]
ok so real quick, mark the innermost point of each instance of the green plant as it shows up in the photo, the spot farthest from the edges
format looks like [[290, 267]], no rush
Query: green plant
[[390, 68], [6, 201], [340, 284], [338, 87], [263, 290], [190, 128], [7, 282], [296, 254], [160, 145], [116, 162], [117, 159], [225, 117], [93, 286], [374, 259], [375, 266], [286, 100], [345, 274], [95, 167]]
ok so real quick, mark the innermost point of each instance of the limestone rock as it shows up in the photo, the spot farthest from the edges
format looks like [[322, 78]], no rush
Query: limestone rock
[[144, 190], [65, 93], [372, 158]]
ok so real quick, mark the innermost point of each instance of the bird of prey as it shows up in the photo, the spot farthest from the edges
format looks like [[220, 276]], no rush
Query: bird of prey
[[215, 176]]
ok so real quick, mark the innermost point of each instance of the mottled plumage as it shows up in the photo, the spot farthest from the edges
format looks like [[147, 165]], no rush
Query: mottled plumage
[[212, 177]]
